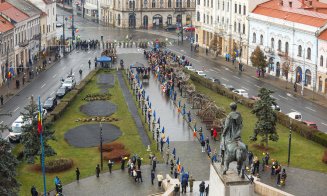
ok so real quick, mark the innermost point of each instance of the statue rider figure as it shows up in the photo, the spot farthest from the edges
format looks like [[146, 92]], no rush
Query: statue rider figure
[[233, 148]]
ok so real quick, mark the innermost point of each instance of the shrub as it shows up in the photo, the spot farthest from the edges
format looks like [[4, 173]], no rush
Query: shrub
[[80, 86], [324, 157], [320, 138], [111, 146], [70, 96], [116, 155], [56, 165], [59, 109]]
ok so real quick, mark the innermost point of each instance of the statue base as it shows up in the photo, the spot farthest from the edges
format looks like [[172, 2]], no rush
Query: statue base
[[230, 184]]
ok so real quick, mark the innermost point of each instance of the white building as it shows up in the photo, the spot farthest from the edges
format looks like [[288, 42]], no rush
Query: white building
[[322, 63], [286, 30], [48, 30]]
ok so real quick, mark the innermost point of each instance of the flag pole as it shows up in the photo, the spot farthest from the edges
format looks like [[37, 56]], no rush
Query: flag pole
[[42, 147]]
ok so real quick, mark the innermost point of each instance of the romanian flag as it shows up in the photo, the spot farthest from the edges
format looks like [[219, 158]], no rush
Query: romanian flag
[[39, 118]]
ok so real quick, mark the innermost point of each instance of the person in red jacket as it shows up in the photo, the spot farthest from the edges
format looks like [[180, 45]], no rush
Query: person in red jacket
[[214, 134]]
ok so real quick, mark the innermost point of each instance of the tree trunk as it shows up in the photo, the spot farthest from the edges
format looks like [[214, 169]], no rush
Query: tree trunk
[[267, 139]]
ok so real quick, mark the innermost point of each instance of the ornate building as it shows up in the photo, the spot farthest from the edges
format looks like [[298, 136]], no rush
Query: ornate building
[[149, 13]]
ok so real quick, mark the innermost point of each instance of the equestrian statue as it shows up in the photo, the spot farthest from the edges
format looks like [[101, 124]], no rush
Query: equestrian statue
[[233, 149]]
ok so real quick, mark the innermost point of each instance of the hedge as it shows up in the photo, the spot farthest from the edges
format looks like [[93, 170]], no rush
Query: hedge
[[56, 165], [69, 97], [305, 131], [59, 109]]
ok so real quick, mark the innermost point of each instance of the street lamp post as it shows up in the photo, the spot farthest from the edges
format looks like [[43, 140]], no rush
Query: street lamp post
[[289, 144], [101, 146], [303, 73]]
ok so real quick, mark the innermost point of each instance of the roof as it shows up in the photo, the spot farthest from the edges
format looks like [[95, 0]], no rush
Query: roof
[[5, 25], [323, 35], [12, 12], [26, 7], [295, 13]]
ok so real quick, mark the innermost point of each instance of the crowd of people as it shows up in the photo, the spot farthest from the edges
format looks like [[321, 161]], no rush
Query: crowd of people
[[87, 44]]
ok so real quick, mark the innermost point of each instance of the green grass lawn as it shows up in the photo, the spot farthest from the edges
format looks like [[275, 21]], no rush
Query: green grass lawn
[[84, 158], [305, 154]]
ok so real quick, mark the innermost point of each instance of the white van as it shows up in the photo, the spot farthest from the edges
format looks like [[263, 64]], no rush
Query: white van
[[295, 115], [16, 129]]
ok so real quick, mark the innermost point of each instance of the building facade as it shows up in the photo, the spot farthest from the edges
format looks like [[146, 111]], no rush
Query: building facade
[[287, 32], [150, 13], [6, 48], [322, 63]]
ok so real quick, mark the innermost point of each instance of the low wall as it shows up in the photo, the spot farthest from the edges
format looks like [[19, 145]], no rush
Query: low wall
[[266, 190]]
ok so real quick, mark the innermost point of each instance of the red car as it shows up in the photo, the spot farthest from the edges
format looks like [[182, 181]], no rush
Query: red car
[[189, 29], [311, 124]]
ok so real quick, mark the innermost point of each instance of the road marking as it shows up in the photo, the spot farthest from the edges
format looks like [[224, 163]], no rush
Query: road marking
[[324, 124], [88, 52], [291, 96], [184, 55], [54, 76], [1, 122], [16, 109], [275, 98], [244, 88], [225, 79], [294, 110], [310, 109], [282, 97], [247, 81], [237, 77], [52, 93], [43, 85], [217, 69], [211, 70], [257, 86]]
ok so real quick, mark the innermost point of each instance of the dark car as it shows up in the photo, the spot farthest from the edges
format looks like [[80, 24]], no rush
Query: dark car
[[61, 92], [171, 27], [50, 103]]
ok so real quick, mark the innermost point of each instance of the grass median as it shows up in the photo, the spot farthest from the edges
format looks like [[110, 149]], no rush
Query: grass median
[[84, 158], [305, 154]]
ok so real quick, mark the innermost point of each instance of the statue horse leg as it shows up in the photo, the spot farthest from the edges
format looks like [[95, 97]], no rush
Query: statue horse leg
[[226, 166]]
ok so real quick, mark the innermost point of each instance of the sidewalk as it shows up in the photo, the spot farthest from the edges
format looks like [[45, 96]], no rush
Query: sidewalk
[[9, 90]]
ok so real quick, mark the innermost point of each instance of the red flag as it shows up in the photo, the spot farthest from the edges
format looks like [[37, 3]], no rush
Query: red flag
[[39, 123]]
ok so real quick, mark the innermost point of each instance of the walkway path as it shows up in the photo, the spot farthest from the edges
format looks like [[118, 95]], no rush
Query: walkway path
[[133, 110]]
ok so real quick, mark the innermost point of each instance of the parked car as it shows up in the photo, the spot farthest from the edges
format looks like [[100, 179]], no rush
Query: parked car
[[61, 92], [295, 115], [50, 103], [241, 92], [276, 107], [215, 80], [190, 28], [171, 27], [190, 68], [69, 83], [16, 129], [229, 87], [310, 124], [58, 25], [201, 73]]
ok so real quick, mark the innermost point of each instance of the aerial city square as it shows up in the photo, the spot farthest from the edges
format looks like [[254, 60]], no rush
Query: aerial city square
[[163, 97]]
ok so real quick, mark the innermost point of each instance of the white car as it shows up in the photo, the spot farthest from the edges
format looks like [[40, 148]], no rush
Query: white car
[[241, 92], [190, 68], [201, 73], [16, 129], [295, 115], [69, 83]]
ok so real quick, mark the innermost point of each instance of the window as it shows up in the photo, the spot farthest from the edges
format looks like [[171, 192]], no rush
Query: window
[[272, 43], [321, 61], [177, 3], [161, 3], [223, 5], [145, 4], [218, 5], [239, 9], [286, 47], [198, 2], [244, 10], [239, 27], [254, 38], [227, 6], [211, 20], [169, 3], [188, 3], [205, 2], [279, 45], [261, 39], [235, 8], [118, 20], [211, 3], [131, 4], [198, 16], [234, 26], [153, 3], [207, 19], [299, 51], [243, 28], [309, 53], [204, 18]]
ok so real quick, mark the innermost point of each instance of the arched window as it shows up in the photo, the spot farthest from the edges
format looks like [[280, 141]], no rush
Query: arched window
[[169, 3], [198, 16], [279, 45], [299, 51], [286, 47], [188, 3], [145, 4], [321, 61], [118, 19], [243, 28], [234, 26], [254, 38], [211, 20], [199, 1], [207, 19], [272, 44], [261, 39], [309, 53], [239, 27], [153, 3], [204, 18]]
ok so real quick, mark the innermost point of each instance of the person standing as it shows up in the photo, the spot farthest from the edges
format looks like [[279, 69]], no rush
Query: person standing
[[202, 188], [89, 64], [110, 164], [122, 167], [77, 174], [191, 181], [184, 185], [160, 178], [167, 155], [171, 166], [33, 191], [1, 99], [154, 163], [207, 190], [139, 162], [56, 181], [214, 134], [138, 175], [152, 176], [97, 171], [250, 156], [203, 145], [207, 142]]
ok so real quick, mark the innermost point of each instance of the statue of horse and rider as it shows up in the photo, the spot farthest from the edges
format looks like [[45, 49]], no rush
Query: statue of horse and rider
[[233, 149]]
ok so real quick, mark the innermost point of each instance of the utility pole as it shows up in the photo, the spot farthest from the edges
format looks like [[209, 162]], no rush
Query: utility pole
[[73, 30], [181, 14], [63, 35]]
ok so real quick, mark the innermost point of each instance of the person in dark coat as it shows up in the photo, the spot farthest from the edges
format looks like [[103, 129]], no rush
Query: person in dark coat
[[122, 163], [33, 191], [202, 188], [139, 162], [110, 164], [152, 176], [1, 99], [139, 175], [184, 185], [154, 163], [207, 190], [97, 171], [77, 174], [171, 166]]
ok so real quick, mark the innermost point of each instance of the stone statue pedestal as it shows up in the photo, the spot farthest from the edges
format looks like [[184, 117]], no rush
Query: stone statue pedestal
[[230, 184]]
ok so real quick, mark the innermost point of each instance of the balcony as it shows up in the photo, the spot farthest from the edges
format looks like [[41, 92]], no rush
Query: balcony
[[23, 44], [282, 54]]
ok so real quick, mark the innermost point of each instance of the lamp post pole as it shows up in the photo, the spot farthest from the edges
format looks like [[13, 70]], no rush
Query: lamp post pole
[[101, 146], [289, 144]]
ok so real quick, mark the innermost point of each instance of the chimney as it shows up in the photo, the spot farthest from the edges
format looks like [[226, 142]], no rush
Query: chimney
[[290, 4]]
